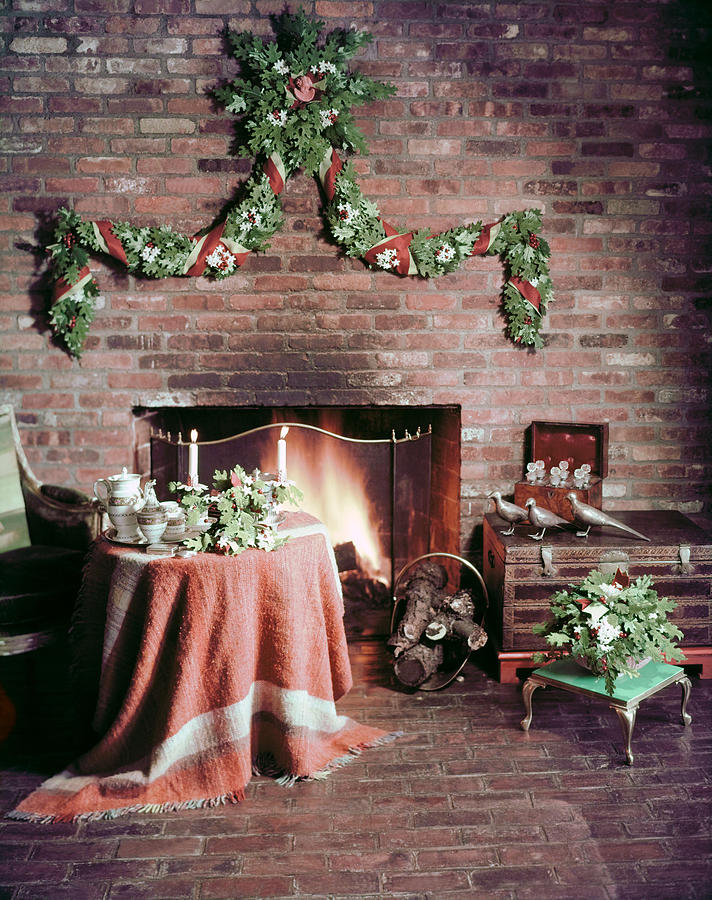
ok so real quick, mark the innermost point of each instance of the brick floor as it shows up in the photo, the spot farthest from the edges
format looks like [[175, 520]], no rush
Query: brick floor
[[465, 805]]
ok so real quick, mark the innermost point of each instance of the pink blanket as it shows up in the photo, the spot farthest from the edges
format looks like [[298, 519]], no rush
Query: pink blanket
[[211, 667]]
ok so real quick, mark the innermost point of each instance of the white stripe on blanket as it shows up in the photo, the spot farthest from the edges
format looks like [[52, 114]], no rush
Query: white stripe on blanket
[[210, 731]]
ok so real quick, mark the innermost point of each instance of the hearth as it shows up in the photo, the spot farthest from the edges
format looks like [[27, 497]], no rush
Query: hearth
[[385, 480]]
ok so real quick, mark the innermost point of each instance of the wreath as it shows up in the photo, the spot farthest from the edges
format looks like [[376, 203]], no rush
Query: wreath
[[293, 101]]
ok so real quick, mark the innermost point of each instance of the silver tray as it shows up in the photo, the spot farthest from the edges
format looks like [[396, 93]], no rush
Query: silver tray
[[110, 535]]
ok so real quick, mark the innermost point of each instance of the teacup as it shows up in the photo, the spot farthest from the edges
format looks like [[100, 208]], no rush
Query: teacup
[[175, 529]]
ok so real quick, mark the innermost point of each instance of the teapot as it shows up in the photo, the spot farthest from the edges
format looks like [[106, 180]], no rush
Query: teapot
[[123, 489], [120, 495]]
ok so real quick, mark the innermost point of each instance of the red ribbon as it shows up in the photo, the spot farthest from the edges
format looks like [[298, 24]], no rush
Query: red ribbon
[[62, 287], [212, 239], [482, 243], [397, 242], [276, 182], [113, 244], [527, 290], [329, 178]]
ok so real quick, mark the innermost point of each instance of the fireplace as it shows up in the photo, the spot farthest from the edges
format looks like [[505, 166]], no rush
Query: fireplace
[[385, 480]]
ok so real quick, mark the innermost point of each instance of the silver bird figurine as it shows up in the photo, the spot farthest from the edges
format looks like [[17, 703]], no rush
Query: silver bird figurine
[[586, 516], [543, 518], [510, 512]]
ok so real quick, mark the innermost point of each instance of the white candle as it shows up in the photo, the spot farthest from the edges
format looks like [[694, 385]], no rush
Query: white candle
[[193, 459], [282, 455]]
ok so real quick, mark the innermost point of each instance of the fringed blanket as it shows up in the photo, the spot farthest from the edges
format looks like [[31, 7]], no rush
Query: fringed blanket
[[208, 669]]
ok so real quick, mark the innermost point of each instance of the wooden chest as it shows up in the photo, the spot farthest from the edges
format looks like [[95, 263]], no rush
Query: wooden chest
[[521, 574]]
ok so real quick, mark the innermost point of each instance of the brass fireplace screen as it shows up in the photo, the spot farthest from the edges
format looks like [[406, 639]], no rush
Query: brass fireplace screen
[[384, 483]]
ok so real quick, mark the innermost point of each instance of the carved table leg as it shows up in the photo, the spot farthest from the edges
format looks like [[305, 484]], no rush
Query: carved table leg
[[627, 720], [530, 685], [686, 686]]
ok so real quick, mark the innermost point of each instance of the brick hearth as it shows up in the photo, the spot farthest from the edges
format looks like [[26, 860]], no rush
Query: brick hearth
[[464, 806]]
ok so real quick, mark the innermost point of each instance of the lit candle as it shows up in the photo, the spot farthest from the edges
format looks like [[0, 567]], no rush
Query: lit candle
[[282, 455], [193, 459]]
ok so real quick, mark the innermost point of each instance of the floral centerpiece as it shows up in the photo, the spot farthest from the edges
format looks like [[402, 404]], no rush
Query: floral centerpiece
[[610, 625], [239, 510]]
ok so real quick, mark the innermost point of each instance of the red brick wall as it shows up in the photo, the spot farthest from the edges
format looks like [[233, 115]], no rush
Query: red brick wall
[[598, 113]]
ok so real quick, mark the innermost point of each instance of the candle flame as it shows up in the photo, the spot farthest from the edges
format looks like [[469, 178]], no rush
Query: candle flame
[[193, 436], [283, 432]]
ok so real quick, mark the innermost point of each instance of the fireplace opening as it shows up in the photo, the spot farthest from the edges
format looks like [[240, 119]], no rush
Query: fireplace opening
[[384, 480]]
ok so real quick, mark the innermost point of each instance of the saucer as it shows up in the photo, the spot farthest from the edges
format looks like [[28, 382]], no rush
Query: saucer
[[110, 535]]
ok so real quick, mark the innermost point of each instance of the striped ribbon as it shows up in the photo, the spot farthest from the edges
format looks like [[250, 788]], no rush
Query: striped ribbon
[[528, 291], [274, 168], [63, 289], [329, 170], [108, 241], [276, 173]]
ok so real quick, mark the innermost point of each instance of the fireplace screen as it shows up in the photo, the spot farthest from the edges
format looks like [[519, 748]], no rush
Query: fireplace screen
[[373, 495]]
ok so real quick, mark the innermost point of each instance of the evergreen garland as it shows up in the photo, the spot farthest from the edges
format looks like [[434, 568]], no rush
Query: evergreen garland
[[293, 101]]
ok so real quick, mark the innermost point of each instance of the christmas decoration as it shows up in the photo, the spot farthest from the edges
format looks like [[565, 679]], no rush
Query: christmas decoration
[[293, 100], [610, 625], [239, 510]]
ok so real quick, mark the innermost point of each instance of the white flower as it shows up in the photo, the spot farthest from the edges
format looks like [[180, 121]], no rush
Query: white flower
[[609, 590], [328, 117], [388, 259], [607, 633], [226, 543], [652, 615], [221, 258], [445, 253], [346, 212], [149, 253], [277, 117], [534, 282], [250, 218], [323, 67], [281, 67]]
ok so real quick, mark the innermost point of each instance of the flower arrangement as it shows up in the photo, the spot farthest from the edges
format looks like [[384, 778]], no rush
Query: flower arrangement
[[240, 510], [610, 625]]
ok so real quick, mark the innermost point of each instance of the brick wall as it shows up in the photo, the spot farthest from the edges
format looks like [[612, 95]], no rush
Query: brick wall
[[596, 112]]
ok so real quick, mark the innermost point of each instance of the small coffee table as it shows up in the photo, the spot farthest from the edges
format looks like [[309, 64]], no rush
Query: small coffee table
[[627, 696]]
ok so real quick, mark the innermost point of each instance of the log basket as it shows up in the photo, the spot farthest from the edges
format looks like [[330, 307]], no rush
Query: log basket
[[441, 679]]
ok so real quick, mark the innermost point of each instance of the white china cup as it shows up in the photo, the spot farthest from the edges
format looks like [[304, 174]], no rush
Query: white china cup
[[153, 532], [175, 529]]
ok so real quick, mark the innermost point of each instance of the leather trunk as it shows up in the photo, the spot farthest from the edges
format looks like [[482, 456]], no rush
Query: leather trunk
[[521, 574]]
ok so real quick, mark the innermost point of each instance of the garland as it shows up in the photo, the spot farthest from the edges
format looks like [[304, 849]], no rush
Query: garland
[[293, 100]]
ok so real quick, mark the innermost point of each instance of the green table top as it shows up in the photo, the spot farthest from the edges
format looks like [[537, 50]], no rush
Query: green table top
[[566, 673]]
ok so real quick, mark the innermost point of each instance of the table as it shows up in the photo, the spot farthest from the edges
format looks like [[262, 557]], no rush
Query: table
[[627, 695], [203, 670]]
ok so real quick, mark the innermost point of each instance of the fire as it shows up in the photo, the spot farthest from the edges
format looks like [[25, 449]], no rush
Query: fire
[[332, 481]]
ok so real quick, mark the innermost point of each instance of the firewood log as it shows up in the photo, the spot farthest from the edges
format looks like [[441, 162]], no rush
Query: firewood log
[[423, 601], [455, 620], [433, 619], [416, 664]]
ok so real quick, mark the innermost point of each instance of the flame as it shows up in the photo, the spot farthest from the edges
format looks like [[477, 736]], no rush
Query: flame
[[193, 436], [334, 491], [284, 432]]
